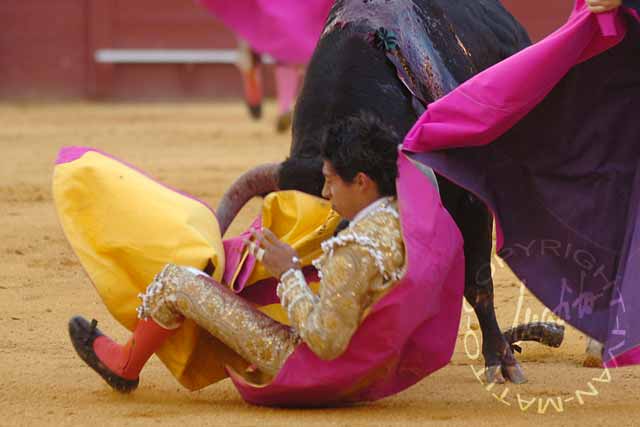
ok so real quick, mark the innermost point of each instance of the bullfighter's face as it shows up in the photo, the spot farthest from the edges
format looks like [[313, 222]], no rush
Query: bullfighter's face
[[347, 198]]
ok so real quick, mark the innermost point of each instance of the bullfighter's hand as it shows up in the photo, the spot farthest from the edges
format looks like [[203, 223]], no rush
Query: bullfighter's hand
[[600, 6], [276, 256]]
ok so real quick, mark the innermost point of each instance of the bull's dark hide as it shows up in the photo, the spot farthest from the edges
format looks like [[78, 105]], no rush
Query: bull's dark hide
[[391, 58]]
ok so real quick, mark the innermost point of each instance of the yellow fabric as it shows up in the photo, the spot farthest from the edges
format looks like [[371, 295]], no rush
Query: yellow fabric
[[124, 227], [303, 222], [299, 220]]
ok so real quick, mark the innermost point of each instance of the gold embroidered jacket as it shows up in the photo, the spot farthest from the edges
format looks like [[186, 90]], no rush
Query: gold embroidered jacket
[[358, 266]]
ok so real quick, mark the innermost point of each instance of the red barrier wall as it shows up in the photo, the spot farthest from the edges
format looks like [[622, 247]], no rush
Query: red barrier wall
[[540, 17], [43, 48], [47, 47]]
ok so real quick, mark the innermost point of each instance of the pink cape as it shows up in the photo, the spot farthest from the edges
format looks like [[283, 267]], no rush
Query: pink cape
[[536, 200], [408, 334], [483, 108], [288, 30]]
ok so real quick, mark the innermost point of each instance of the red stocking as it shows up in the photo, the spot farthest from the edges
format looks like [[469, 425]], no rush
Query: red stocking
[[128, 360]]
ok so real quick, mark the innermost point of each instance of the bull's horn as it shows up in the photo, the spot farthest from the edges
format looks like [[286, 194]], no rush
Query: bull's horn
[[255, 182]]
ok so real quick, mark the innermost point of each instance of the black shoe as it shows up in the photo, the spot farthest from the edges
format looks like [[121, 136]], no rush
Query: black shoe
[[83, 334], [255, 111], [283, 122]]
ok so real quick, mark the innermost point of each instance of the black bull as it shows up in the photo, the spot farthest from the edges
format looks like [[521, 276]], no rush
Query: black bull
[[391, 58]]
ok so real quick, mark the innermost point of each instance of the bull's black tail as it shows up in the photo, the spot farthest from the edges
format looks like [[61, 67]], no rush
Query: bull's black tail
[[546, 333]]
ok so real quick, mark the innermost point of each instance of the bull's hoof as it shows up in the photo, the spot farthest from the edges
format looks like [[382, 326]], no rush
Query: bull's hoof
[[493, 374], [500, 374], [593, 357], [514, 373], [592, 362]]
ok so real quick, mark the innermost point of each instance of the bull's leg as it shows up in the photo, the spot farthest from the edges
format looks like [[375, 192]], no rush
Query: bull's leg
[[475, 223], [476, 226]]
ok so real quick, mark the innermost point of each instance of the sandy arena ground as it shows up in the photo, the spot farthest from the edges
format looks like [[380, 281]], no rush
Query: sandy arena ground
[[200, 149]]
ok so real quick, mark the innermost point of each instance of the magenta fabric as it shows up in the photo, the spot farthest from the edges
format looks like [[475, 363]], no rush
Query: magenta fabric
[[264, 291], [233, 249], [71, 153], [540, 176], [288, 30], [408, 334], [288, 79], [631, 357], [488, 105]]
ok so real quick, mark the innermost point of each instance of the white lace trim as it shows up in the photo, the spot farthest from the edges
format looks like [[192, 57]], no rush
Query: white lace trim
[[290, 281], [367, 243], [154, 296], [371, 208], [144, 310]]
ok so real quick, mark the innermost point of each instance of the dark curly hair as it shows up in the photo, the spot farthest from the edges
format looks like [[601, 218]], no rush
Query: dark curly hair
[[363, 143]]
